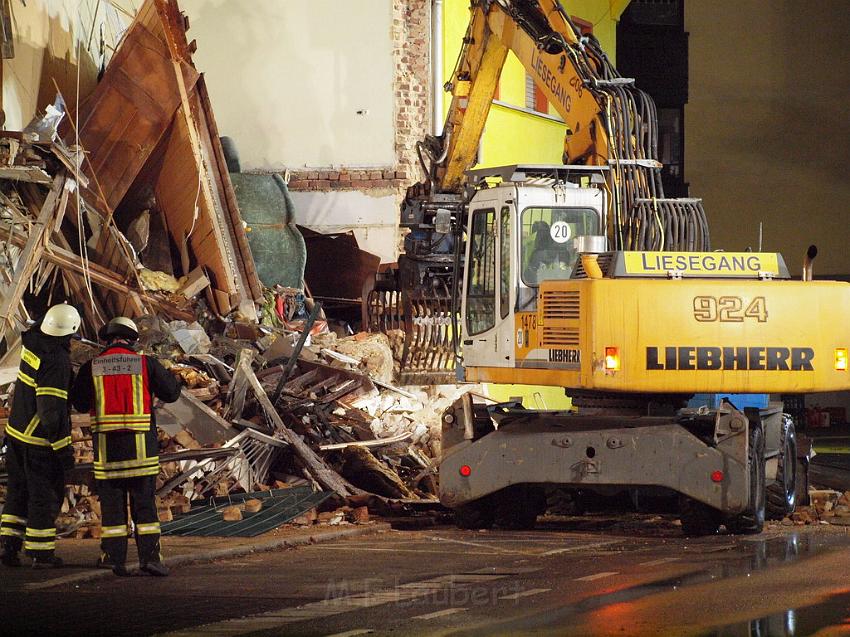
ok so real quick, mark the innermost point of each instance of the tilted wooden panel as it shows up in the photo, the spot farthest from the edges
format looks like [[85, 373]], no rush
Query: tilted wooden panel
[[129, 111]]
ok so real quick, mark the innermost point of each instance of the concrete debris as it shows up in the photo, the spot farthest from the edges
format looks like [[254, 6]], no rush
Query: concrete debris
[[372, 350], [191, 338], [231, 514]]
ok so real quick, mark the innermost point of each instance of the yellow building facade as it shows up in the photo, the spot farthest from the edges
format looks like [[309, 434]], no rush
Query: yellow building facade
[[516, 131], [522, 128]]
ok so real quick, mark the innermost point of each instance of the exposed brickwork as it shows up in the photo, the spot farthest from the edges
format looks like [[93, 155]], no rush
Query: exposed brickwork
[[411, 57], [412, 52], [348, 179]]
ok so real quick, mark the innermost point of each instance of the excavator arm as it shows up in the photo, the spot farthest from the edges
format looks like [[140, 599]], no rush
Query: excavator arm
[[541, 37]]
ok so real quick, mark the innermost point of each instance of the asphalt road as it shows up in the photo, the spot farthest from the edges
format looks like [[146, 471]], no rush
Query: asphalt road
[[588, 577]]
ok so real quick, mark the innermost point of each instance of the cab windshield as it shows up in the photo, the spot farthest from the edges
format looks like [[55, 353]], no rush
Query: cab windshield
[[548, 250]]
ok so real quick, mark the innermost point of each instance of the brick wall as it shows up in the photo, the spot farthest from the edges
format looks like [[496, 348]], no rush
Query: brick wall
[[411, 58]]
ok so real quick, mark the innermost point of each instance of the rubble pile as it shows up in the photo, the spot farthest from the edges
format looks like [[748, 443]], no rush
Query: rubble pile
[[332, 427], [275, 393], [827, 507]]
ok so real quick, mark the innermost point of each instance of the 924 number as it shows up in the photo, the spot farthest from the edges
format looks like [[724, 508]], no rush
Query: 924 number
[[729, 309]]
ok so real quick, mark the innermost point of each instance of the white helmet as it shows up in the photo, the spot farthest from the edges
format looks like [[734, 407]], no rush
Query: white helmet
[[61, 320], [121, 327]]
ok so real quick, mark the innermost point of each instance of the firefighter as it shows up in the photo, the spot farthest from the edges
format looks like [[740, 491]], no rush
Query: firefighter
[[38, 439], [117, 388]]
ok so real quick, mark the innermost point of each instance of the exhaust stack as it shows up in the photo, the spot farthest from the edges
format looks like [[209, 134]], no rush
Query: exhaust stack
[[808, 269]]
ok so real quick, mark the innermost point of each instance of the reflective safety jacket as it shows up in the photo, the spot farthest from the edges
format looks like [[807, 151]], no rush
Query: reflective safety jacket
[[122, 398], [117, 388], [39, 415]]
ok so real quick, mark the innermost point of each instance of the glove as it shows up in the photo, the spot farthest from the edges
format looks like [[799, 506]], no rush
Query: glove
[[66, 458]]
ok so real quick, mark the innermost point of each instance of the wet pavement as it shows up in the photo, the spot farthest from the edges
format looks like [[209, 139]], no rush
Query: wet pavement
[[593, 575]]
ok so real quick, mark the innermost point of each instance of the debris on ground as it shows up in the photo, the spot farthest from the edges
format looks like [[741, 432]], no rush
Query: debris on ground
[[278, 397], [828, 506]]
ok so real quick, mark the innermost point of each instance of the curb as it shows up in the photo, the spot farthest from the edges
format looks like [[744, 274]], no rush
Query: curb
[[208, 556]]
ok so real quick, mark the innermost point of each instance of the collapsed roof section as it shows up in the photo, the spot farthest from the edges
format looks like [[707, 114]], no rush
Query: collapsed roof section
[[150, 137]]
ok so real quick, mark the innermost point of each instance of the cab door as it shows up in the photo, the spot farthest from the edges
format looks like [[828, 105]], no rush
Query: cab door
[[487, 288]]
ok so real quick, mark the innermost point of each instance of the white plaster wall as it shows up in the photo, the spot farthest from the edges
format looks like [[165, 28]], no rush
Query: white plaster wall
[[374, 219], [50, 37], [288, 77]]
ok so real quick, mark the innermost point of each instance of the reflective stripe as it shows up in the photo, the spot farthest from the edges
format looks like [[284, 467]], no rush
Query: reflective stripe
[[98, 399], [101, 450], [61, 443], [114, 531], [30, 440], [11, 532], [138, 400], [127, 464], [33, 423], [121, 418], [41, 532], [103, 474], [51, 391], [39, 546], [27, 379], [141, 450], [148, 529], [122, 426], [27, 437], [8, 517], [30, 359]]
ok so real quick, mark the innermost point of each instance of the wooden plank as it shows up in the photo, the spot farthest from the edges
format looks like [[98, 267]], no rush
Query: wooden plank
[[238, 387], [196, 282], [177, 191], [205, 425], [31, 253], [32, 174], [227, 275], [129, 112], [212, 139], [106, 279]]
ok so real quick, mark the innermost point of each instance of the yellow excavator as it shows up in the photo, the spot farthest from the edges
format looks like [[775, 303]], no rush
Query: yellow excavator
[[584, 276]]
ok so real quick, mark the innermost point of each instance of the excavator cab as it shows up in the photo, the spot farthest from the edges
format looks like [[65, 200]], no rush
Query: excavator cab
[[528, 228]]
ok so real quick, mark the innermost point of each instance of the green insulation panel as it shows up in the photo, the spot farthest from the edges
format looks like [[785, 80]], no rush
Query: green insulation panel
[[278, 247]]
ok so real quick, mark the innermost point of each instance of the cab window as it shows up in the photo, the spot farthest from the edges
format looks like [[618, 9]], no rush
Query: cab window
[[548, 251], [505, 262], [481, 272]]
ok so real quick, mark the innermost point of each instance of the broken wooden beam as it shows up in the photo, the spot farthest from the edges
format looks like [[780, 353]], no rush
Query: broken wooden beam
[[323, 474], [101, 276], [48, 218]]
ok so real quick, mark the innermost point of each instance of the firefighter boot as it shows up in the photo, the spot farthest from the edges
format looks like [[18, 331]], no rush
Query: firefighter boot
[[47, 561], [113, 554], [156, 568], [104, 561], [150, 558], [10, 557]]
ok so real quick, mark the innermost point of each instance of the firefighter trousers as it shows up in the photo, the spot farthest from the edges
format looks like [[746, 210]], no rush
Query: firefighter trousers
[[113, 508], [36, 483]]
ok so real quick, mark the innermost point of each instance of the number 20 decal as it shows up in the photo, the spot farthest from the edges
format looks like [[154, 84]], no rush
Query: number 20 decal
[[729, 309]]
